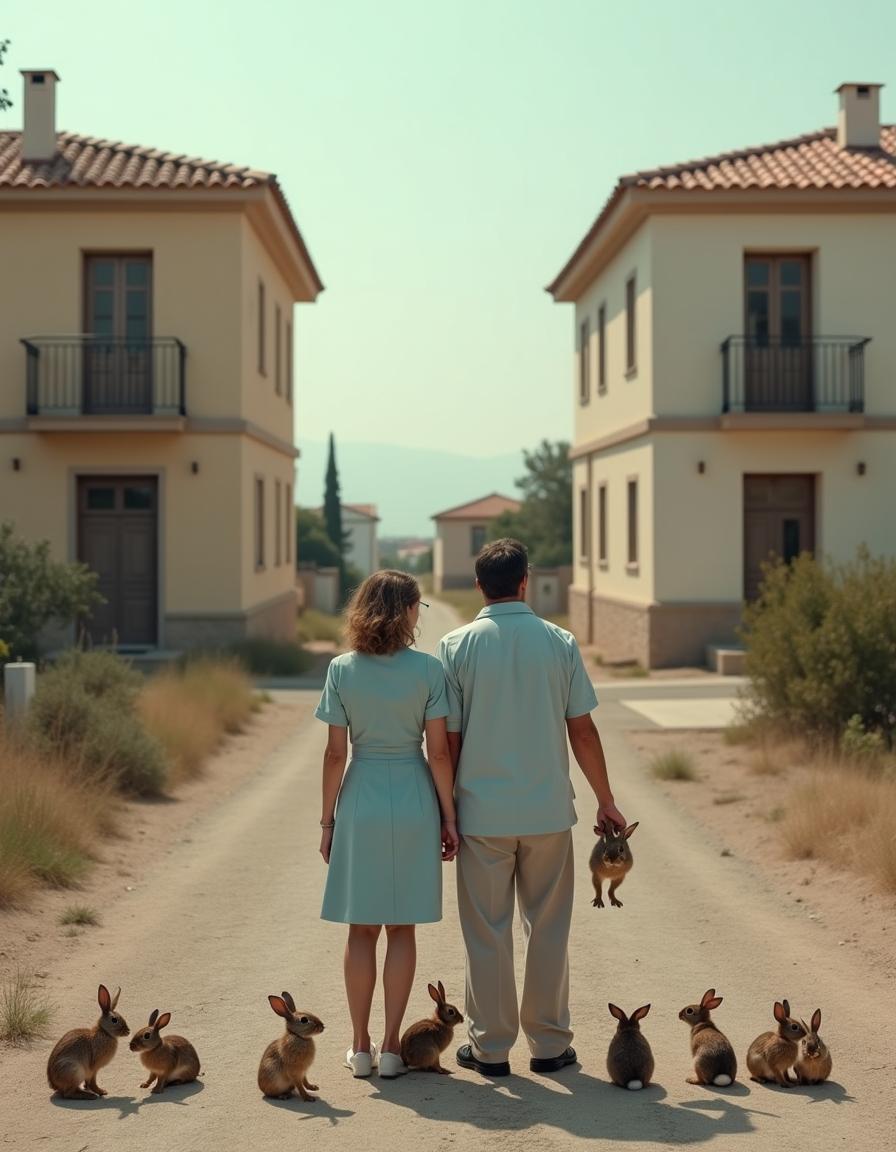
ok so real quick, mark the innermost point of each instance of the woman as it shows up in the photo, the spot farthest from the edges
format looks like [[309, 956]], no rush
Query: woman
[[382, 842]]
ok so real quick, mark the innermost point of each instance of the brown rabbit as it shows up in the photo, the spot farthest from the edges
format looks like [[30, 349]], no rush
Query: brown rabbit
[[611, 859], [285, 1063], [771, 1054], [80, 1054], [169, 1061], [629, 1059], [714, 1059], [814, 1063], [424, 1042]]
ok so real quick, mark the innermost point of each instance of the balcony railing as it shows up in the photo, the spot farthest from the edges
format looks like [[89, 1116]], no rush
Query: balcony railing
[[817, 374], [103, 376]]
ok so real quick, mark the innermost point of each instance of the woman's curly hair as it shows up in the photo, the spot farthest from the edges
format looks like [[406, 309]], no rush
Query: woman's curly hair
[[376, 616]]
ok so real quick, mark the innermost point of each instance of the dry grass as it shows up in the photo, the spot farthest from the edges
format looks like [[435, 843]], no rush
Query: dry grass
[[79, 914], [315, 625], [673, 765], [25, 1011], [191, 710]]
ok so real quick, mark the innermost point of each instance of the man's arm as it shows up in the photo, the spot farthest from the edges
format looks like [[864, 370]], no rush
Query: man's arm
[[589, 753], [455, 740]]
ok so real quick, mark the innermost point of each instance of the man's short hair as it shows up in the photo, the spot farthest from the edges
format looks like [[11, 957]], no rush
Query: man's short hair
[[501, 567]]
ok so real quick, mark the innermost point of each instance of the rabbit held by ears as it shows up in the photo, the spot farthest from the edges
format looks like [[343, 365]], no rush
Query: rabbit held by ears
[[171, 1060], [285, 1063], [629, 1059], [814, 1063], [424, 1042], [772, 1053], [715, 1062], [611, 860], [80, 1054]]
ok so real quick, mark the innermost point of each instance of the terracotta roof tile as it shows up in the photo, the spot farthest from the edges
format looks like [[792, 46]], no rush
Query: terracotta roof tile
[[486, 508]]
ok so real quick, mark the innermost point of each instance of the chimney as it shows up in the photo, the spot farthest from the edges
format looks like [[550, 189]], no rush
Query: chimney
[[39, 135], [858, 123]]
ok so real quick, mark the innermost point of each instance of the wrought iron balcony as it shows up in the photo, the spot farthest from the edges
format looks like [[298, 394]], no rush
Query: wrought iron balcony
[[816, 374], [102, 376]]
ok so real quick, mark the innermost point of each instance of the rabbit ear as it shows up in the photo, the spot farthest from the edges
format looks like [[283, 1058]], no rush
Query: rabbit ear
[[816, 1019], [640, 1013], [628, 831], [154, 1015], [103, 998], [708, 995], [441, 988], [115, 998], [618, 1014], [289, 1000], [434, 993], [780, 1011], [280, 1006], [163, 1021], [786, 1006]]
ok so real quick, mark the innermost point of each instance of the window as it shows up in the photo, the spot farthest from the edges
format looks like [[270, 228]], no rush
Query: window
[[602, 348], [278, 351], [288, 362], [584, 534], [278, 538], [259, 523], [584, 357], [602, 525], [633, 524], [630, 329], [477, 539], [289, 522], [262, 336]]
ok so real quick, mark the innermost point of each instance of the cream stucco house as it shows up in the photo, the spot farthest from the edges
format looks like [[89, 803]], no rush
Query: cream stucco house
[[734, 382], [360, 521], [460, 533], [146, 378]]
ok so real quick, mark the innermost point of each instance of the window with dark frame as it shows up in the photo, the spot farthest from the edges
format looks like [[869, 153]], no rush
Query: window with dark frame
[[288, 362], [602, 348], [602, 524], [584, 534], [278, 538], [584, 365], [262, 335], [278, 350], [630, 328], [477, 539], [259, 522], [632, 523]]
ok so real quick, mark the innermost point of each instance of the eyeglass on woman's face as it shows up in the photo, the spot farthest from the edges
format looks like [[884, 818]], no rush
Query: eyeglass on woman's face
[[422, 604]]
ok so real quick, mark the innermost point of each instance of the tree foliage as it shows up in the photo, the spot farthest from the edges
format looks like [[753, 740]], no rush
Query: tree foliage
[[36, 590], [313, 544], [333, 502], [5, 101], [544, 522]]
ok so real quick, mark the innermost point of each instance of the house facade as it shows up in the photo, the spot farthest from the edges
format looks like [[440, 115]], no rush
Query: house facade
[[146, 378], [360, 521], [734, 381], [460, 533]]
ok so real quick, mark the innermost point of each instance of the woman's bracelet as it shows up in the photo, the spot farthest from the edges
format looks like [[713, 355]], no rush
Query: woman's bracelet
[[332, 824]]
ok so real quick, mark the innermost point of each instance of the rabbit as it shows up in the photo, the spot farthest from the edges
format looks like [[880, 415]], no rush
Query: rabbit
[[169, 1061], [80, 1054], [611, 859], [423, 1043], [771, 1054], [629, 1059], [714, 1059], [285, 1063], [814, 1063]]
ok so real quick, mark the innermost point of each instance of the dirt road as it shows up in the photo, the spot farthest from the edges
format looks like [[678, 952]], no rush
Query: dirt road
[[232, 914]]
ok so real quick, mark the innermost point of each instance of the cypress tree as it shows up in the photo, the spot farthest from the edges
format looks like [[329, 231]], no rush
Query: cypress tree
[[333, 511]]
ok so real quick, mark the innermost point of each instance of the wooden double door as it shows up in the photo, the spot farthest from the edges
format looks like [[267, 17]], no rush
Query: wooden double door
[[118, 525], [118, 350], [779, 520], [778, 353]]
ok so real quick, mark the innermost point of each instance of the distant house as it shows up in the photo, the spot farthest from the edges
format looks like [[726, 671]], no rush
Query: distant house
[[460, 533], [361, 521], [735, 356]]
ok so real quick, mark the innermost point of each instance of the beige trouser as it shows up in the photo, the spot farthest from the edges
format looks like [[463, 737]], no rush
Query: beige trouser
[[540, 870]]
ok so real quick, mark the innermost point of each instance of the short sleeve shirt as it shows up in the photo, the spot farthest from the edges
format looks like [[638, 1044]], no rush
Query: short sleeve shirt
[[384, 701], [513, 680]]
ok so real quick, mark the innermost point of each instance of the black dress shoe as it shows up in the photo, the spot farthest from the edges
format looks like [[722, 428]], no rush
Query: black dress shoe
[[554, 1063], [466, 1059]]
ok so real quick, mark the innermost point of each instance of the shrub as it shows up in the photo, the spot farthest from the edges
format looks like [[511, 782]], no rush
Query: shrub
[[315, 625], [821, 648], [260, 656], [857, 744], [674, 765], [25, 1011]]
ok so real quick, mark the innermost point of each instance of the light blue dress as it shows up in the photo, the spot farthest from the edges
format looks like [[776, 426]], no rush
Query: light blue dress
[[385, 860]]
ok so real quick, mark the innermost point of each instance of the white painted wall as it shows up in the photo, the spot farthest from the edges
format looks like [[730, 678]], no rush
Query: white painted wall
[[362, 552]]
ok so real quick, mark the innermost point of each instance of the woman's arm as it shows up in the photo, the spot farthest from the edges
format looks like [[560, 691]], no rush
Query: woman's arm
[[335, 756], [443, 778]]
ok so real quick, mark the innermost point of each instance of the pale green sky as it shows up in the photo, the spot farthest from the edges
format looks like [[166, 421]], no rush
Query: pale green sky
[[443, 160]]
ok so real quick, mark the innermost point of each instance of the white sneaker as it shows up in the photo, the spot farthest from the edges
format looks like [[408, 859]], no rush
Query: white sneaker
[[361, 1063], [392, 1066]]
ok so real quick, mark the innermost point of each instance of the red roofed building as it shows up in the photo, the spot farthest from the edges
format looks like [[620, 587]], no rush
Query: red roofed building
[[460, 533], [735, 381]]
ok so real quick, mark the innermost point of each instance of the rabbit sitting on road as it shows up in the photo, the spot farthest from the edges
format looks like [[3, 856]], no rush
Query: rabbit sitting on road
[[285, 1063], [814, 1063], [611, 859], [714, 1059], [169, 1061], [629, 1060], [772, 1053], [79, 1055], [424, 1042]]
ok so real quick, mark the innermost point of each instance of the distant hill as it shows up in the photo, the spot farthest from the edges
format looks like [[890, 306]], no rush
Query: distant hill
[[407, 484]]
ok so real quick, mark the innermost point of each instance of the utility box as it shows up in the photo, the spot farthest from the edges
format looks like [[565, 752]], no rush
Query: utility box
[[18, 688]]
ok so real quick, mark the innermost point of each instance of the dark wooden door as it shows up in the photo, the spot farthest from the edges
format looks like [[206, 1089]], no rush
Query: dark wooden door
[[118, 351], [778, 353], [779, 520], [118, 539]]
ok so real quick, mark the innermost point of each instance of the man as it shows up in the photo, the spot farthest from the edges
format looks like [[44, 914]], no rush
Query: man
[[516, 686]]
